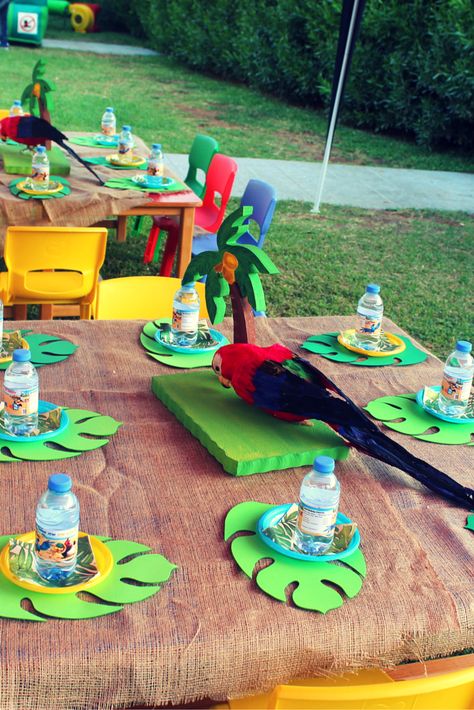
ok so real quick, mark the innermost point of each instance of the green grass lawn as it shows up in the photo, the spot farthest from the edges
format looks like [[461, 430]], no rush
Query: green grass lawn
[[423, 260], [169, 104]]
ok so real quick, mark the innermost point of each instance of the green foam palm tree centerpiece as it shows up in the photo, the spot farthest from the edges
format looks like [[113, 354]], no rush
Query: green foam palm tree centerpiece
[[233, 269]]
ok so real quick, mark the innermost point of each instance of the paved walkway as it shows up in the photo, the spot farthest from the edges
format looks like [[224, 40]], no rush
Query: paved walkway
[[354, 185], [349, 185]]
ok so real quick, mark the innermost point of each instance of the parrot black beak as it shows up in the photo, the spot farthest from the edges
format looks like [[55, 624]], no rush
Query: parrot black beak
[[224, 382]]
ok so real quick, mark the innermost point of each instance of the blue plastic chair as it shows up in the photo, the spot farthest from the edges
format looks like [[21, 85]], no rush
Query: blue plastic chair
[[262, 198]]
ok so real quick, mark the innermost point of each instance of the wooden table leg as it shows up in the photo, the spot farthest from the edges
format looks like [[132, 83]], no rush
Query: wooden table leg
[[121, 229], [19, 312], [46, 311], [186, 230]]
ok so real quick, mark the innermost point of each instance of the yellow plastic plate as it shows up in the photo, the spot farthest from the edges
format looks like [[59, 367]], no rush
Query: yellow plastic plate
[[392, 344], [103, 560], [53, 188], [9, 357], [136, 161]]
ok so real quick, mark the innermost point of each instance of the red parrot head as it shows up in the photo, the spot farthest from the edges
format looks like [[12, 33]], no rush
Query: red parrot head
[[232, 363], [4, 124]]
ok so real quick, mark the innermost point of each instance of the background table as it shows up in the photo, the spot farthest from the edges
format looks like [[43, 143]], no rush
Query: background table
[[210, 631], [89, 203]]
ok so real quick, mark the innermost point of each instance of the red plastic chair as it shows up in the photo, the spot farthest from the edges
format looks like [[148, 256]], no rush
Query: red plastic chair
[[219, 182]]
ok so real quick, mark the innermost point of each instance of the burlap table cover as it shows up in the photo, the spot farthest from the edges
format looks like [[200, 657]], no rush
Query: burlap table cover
[[88, 202], [210, 632]]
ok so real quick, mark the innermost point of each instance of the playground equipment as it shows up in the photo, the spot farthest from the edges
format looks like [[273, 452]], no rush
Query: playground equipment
[[28, 19]]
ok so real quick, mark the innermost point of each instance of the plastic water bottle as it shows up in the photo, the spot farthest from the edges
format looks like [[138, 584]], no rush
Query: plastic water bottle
[[155, 161], [108, 124], [184, 326], [57, 528], [21, 394], [369, 316], [457, 380], [318, 506], [16, 108], [125, 144], [40, 169]]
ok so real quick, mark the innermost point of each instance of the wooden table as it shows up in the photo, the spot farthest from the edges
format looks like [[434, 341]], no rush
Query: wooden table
[[89, 203], [210, 632]]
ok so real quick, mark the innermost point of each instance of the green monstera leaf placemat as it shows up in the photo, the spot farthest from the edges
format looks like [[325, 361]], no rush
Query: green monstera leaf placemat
[[168, 357], [321, 586], [402, 413], [101, 160], [25, 196], [328, 346], [124, 585], [85, 433], [242, 438], [470, 523], [44, 349]]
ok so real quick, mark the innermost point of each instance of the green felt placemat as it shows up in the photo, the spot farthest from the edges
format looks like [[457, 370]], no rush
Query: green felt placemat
[[44, 349], [17, 161], [135, 576], [25, 196], [242, 438], [90, 142], [328, 346], [168, 357], [321, 586], [128, 184], [101, 160], [402, 413]]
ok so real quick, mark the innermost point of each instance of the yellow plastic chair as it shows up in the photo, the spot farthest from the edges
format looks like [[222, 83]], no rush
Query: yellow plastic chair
[[140, 297], [367, 689], [53, 265]]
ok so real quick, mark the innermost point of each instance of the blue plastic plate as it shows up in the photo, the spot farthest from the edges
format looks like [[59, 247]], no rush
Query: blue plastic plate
[[440, 415], [274, 515], [42, 407], [153, 181], [218, 337]]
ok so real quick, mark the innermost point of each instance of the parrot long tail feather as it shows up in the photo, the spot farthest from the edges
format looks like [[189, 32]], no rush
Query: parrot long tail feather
[[83, 162]]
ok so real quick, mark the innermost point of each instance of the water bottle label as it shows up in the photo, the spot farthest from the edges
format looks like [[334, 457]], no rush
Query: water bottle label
[[368, 325], [155, 168], [20, 403], [125, 150], [40, 173], [108, 129], [456, 388], [185, 321], [58, 546], [316, 521]]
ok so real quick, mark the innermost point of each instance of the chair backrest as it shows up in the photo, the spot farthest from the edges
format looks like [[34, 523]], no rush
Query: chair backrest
[[140, 297], [453, 690], [220, 179], [54, 264], [202, 151], [262, 198]]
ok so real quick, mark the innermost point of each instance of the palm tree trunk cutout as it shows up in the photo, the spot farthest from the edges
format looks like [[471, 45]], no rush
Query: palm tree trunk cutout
[[233, 269], [37, 94]]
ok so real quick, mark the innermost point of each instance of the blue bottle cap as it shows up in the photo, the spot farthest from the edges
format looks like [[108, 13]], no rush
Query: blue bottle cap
[[21, 355], [464, 346], [189, 286], [126, 127], [156, 146], [373, 288], [109, 108], [40, 148], [59, 483], [324, 464], [17, 102]]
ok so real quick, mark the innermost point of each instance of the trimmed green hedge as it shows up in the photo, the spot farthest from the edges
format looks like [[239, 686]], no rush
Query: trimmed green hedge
[[412, 72]]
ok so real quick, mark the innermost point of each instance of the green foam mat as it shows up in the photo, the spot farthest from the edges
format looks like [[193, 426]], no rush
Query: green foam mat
[[242, 438], [321, 586], [17, 161], [328, 347], [135, 576]]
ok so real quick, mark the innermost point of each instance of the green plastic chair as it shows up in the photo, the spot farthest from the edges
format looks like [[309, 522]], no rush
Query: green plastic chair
[[202, 151]]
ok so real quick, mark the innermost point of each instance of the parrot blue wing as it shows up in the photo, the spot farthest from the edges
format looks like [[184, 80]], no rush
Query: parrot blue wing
[[33, 127]]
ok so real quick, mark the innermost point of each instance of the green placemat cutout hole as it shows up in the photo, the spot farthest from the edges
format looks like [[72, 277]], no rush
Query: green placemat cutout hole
[[85, 433], [169, 357], [402, 413], [313, 591], [242, 438], [122, 586], [328, 346]]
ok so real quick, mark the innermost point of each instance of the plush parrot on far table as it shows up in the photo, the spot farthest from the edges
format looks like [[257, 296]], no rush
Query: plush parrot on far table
[[280, 383], [32, 131]]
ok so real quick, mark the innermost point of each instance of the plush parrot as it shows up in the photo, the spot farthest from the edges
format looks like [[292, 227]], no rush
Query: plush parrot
[[33, 131], [280, 383]]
